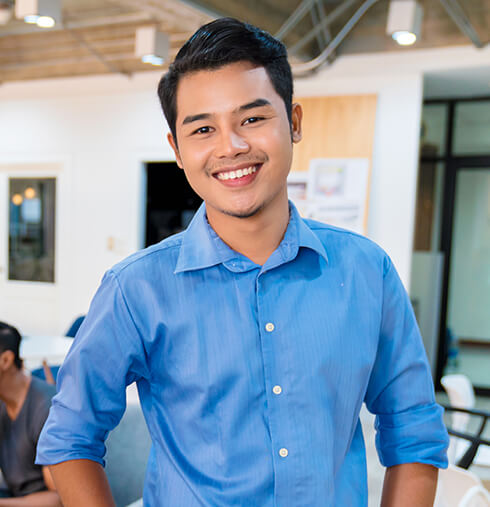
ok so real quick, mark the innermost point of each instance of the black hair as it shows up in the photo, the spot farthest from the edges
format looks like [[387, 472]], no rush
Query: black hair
[[219, 43], [10, 340]]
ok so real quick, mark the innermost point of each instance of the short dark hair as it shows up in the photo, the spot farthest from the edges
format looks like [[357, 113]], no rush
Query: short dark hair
[[10, 340], [219, 43]]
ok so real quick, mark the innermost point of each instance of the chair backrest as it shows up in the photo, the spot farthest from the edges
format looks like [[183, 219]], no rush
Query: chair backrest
[[72, 331], [460, 488], [460, 390], [461, 394]]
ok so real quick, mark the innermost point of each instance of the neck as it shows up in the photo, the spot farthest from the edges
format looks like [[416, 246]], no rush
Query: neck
[[14, 386], [255, 237]]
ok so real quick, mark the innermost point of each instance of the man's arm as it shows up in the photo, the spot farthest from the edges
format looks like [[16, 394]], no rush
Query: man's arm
[[48, 498], [409, 484], [41, 499], [82, 482]]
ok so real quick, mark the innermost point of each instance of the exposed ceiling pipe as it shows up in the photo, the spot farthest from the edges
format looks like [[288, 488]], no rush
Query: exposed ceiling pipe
[[303, 68], [295, 17], [318, 15], [332, 17], [108, 65], [326, 29], [461, 19]]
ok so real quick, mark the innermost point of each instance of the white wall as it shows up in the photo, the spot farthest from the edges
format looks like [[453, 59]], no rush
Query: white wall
[[99, 130]]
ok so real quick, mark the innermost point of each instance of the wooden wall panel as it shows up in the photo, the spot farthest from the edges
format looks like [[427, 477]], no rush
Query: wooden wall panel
[[335, 127]]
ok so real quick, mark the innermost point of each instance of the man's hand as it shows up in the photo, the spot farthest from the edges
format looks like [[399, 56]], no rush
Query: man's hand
[[82, 482], [408, 485]]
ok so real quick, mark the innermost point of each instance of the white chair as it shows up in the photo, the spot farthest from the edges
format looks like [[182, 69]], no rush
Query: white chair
[[461, 395], [460, 488]]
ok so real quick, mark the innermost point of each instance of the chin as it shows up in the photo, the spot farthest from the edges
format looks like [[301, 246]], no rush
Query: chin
[[243, 213]]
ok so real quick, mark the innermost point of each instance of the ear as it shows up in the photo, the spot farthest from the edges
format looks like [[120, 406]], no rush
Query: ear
[[173, 144], [6, 360], [296, 118]]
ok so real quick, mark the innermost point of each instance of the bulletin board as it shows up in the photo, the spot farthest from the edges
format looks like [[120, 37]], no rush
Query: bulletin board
[[331, 169]]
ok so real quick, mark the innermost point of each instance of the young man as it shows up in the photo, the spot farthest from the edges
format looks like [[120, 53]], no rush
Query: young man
[[254, 336], [24, 406]]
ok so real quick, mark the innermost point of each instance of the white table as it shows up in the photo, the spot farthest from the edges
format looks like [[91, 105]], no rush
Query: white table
[[33, 349]]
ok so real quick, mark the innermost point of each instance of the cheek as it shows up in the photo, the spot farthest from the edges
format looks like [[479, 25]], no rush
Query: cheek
[[195, 157]]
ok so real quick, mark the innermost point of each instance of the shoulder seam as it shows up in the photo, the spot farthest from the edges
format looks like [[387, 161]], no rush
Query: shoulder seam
[[147, 254], [339, 230]]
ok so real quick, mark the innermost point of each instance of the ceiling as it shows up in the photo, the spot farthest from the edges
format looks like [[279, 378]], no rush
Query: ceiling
[[97, 36]]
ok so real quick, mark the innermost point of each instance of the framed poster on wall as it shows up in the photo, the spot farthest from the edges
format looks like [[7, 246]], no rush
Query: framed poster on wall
[[334, 191]]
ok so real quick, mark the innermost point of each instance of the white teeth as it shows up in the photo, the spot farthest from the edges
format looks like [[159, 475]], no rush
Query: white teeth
[[239, 173]]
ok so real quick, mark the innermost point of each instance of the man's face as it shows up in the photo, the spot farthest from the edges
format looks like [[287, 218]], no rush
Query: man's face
[[234, 138]]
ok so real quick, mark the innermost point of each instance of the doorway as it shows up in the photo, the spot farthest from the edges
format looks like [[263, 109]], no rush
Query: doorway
[[451, 268], [170, 204], [466, 288]]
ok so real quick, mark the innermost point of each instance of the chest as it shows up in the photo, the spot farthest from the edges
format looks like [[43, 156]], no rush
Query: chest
[[235, 332]]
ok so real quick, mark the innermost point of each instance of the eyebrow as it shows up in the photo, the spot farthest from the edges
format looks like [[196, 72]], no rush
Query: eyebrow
[[204, 116]]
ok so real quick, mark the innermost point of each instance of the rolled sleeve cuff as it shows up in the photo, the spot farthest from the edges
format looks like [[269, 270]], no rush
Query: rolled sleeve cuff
[[74, 439], [414, 436]]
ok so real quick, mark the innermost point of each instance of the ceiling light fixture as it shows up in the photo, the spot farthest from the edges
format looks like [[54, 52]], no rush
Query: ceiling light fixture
[[43, 13], [17, 199], [45, 22], [404, 21], [29, 193], [151, 45], [6, 10]]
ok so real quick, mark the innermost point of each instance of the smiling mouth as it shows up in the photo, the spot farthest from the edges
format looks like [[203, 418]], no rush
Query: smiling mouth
[[238, 173]]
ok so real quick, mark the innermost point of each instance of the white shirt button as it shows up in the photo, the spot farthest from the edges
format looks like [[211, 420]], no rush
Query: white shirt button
[[277, 389], [283, 452], [269, 327]]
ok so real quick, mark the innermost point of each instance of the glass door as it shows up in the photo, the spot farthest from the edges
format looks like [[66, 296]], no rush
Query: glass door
[[468, 296]]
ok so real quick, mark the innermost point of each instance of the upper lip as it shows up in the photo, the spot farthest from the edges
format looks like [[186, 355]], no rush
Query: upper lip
[[244, 165]]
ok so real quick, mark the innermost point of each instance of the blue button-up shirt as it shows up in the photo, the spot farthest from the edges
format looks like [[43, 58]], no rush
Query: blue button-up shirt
[[251, 378]]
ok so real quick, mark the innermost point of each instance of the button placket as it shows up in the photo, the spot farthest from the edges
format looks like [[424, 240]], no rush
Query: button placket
[[270, 337]]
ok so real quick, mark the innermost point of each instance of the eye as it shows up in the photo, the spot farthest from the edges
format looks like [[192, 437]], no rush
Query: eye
[[202, 130], [253, 119]]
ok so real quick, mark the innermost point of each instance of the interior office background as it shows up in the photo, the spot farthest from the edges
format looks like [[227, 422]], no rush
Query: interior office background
[[90, 140]]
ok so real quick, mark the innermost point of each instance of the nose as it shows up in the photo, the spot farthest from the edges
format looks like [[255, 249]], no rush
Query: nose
[[230, 144]]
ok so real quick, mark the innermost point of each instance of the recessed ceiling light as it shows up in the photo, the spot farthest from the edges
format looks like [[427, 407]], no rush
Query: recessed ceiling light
[[404, 38], [45, 22]]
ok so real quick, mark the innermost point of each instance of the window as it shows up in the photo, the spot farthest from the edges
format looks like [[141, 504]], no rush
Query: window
[[434, 126], [31, 229], [472, 128]]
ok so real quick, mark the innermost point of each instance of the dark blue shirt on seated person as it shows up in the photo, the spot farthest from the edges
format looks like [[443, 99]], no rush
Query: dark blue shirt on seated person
[[251, 378]]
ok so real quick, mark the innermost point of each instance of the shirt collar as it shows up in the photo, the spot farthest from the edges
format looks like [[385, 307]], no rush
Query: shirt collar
[[202, 248]]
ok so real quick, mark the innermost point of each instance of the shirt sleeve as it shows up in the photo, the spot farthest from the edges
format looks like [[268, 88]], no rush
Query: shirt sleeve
[[106, 356], [409, 424]]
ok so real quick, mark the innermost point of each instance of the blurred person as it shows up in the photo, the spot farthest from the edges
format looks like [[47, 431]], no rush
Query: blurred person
[[24, 406], [254, 336]]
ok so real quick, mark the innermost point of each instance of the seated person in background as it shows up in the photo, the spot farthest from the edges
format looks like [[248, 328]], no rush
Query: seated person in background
[[24, 406]]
